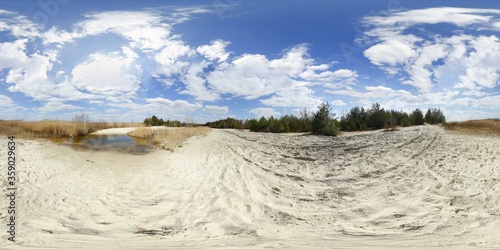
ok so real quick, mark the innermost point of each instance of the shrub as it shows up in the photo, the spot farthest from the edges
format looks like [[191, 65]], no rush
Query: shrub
[[417, 117], [322, 122], [434, 116], [377, 117]]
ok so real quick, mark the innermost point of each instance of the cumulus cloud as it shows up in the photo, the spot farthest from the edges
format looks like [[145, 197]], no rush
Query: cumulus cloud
[[12, 54], [215, 51], [107, 73], [480, 77], [216, 110], [457, 16], [338, 103], [57, 105], [296, 97], [176, 106], [423, 56], [6, 101], [390, 53], [31, 78], [195, 83], [265, 112], [252, 76]]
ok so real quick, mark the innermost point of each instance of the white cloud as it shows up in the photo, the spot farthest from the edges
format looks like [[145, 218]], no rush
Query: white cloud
[[477, 78], [195, 83], [457, 16], [57, 105], [474, 93], [338, 103], [296, 97], [177, 106], [390, 53], [12, 54], [6, 101], [398, 99], [265, 112], [487, 102], [144, 29], [215, 51], [372, 92], [31, 78], [20, 26], [107, 74], [216, 110], [425, 56], [173, 50], [253, 75]]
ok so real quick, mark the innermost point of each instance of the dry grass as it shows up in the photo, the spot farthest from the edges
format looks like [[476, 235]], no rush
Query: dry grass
[[169, 138], [56, 128], [487, 126]]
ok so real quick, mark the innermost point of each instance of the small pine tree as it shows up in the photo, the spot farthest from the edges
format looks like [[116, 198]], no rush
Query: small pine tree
[[417, 117], [322, 123]]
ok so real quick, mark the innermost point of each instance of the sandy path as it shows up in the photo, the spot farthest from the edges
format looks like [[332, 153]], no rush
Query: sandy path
[[416, 187]]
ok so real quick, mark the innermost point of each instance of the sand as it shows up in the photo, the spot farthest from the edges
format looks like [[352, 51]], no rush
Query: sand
[[419, 187]]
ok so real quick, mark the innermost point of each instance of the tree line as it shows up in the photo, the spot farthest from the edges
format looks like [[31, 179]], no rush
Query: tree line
[[155, 121], [324, 122], [320, 122], [377, 118]]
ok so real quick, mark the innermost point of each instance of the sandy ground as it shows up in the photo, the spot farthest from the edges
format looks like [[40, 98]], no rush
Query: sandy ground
[[419, 187]]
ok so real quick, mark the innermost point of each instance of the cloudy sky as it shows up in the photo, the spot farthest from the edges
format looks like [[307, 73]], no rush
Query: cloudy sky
[[206, 60]]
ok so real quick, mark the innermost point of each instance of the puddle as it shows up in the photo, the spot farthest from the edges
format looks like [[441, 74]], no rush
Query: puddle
[[115, 143]]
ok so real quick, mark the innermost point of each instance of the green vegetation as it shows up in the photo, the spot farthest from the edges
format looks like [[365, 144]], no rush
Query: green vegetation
[[154, 121], [226, 123], [434, 116], [323, 122], [377, 118]]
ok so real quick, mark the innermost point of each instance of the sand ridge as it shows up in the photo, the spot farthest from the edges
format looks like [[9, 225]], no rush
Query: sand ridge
[[417, 187]]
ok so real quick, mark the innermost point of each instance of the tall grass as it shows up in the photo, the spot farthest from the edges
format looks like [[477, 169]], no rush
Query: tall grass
[[487, 126], [169, 138], [78, 126]]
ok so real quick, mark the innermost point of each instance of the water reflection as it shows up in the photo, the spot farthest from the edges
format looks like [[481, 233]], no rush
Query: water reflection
[[117, 143]]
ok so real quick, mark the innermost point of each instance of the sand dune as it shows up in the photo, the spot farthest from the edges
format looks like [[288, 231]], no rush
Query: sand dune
[[417, 187]]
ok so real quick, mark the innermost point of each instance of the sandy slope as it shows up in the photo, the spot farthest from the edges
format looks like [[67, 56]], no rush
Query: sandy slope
[[417, 187]]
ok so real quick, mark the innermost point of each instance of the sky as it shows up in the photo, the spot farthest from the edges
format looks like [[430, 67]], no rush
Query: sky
[[207, 60]]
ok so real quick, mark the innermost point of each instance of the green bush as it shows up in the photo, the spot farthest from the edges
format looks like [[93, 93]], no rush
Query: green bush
[[322, 122], [417, 117]]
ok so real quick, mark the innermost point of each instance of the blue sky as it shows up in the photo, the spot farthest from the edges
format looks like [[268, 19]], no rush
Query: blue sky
[[206, 60]]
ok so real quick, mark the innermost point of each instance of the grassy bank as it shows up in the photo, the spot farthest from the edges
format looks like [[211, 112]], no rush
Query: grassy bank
[[169, 138], [487, 126], [78, 126]]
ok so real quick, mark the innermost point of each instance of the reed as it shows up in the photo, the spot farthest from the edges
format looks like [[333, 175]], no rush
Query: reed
[[78, 126], [486, 126]]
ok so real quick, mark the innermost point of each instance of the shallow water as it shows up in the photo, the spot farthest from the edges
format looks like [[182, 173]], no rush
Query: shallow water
[[116, 143]]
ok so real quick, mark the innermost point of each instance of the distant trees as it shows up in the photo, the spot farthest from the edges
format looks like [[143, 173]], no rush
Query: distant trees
[[434, 116], [376, 118], [154, 121], [323, 121], [226, 123]]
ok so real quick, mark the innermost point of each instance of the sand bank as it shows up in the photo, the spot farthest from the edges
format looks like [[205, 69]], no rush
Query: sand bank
[[418, 187]]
